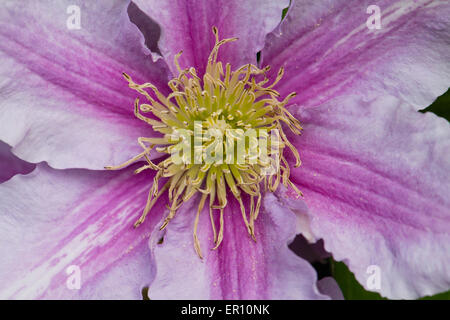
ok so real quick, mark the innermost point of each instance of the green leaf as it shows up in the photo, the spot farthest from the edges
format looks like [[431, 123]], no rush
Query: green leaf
[[285, 10], [441, 106]]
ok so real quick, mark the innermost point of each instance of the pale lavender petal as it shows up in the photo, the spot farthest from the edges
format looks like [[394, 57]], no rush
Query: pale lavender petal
[[62, 95], [330, 287], [240, 268], [123, 279], [186, 25], [328, 50], [375, 177], [10, 165], [51, 220]]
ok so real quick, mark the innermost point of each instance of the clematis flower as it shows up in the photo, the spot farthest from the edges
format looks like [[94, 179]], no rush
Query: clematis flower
[[373, 173]]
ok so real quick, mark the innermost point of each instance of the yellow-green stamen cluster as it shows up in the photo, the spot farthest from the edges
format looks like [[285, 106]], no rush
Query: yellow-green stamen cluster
[[229, 102]]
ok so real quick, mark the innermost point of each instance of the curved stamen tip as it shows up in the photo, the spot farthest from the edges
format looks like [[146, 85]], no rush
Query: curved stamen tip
[[126, 76]]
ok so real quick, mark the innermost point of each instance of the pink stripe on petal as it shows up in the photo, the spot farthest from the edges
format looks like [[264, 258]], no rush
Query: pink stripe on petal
[[51, 220], [375, 176], [63, 98], [186, 25], [240, 268], [328, 50]]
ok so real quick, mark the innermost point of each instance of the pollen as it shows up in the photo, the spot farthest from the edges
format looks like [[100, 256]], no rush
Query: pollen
[[220, 135]]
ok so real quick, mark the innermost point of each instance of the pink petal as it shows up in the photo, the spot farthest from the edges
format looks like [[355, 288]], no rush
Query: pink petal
[[375, 176], [10, 165], [186, 25], [328, 50], [51, 220], [62, 95], [240, 268], [330, 287]]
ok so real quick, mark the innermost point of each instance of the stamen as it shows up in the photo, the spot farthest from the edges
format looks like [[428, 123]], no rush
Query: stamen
[[233, 104]]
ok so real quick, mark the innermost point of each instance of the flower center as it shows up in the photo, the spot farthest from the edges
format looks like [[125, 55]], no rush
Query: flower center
[[221, 132]]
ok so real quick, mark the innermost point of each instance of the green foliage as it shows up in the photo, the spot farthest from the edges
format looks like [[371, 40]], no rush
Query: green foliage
[[285, 10], [283, 14], [441, 106], [439, 296]]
